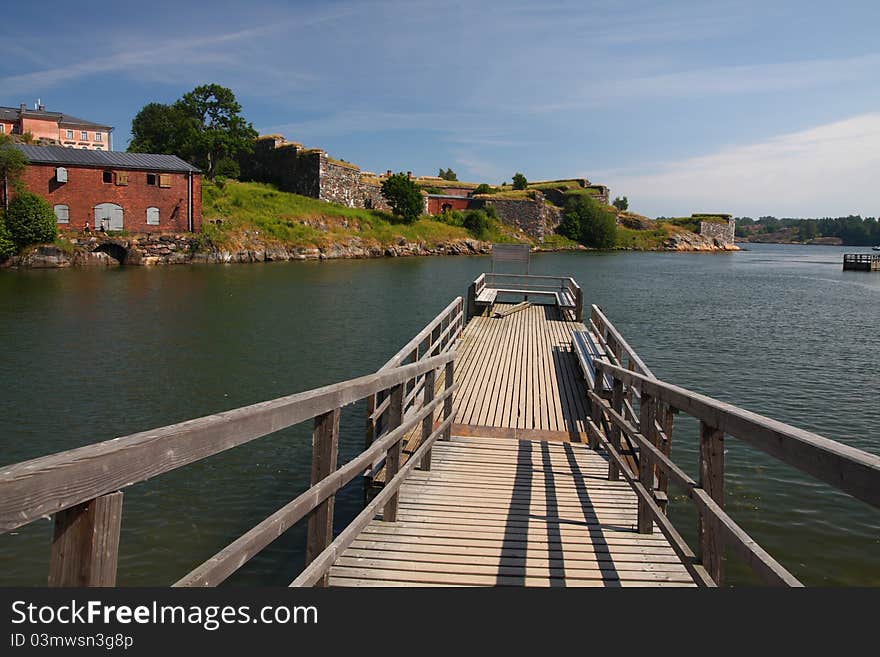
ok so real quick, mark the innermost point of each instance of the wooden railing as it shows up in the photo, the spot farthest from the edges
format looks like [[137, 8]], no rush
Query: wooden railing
[[438, 337], [525, 284], [82, 487], [845, 468]]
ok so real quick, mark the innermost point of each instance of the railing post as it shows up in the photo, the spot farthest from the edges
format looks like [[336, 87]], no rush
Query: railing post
[[448, 378], [711, 545], [392, 458], [667, 423], [471, 300], [85, 546], [325, 447], [647, 408], [428, 422], [617, 405]]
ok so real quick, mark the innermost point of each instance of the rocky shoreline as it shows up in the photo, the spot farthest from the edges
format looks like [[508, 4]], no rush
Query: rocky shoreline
[[145, 250]]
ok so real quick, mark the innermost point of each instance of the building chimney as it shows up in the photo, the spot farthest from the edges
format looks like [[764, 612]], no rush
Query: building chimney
[[22, 107], [388, 173], [42, 108]]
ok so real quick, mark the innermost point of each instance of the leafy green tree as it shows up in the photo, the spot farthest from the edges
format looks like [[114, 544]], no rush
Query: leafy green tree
[[30, 220], [403, 196], [204, 127], [447, 174], [519, 181], [12, 165], [587, 221], [621, 203], [483, 188]]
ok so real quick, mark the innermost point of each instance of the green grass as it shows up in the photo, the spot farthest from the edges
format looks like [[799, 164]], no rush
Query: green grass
[[556, 184], [259, 209], [628, 238], [557, 241]]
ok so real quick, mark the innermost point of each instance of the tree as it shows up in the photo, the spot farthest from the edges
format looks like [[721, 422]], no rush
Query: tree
[[621, 203], [403, 196], [12, 165], [587, 221], [158, 128], [448, 174], [483, 188], [30, 220], [204, 127], [519, 181]]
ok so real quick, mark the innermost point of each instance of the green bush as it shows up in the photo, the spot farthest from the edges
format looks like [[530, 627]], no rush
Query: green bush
[[491, 211], [30, 220], [519, 181], [477, 223], [483, 188], [7, 246], [588, 222]]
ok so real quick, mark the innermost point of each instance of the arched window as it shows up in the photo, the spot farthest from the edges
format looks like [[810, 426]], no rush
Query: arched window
[[153, 216], [62, 214]]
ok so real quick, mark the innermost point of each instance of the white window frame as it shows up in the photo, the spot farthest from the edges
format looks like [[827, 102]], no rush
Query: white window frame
[[2, 128], [99, 136], [156, 214], [66, 212], [83, 135], [70, 134]]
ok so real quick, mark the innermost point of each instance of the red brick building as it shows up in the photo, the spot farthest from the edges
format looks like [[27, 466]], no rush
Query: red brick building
[[137, 192]]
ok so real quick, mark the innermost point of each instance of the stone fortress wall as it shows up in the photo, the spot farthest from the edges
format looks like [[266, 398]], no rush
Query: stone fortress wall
[[721, 231]]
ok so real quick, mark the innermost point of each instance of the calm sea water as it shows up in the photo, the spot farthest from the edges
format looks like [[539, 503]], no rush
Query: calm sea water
[[89, 355]]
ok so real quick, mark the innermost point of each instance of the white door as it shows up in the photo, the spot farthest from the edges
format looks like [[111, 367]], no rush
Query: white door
[[108, 215]]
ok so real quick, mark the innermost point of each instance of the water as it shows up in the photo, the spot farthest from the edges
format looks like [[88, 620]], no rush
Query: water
[[89, 355]]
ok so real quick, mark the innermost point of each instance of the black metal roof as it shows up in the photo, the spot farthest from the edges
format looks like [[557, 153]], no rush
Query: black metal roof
[[113, 159]]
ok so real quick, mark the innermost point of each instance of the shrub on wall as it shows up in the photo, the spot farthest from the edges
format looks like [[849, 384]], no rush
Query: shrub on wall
[[30, 220]]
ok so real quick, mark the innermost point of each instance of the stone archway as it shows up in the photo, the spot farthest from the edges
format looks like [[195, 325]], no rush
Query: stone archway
[[114, 250]]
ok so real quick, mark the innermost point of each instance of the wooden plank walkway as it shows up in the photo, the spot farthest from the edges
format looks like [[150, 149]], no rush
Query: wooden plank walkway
[[496, 512], [516, 497], [518, 377]]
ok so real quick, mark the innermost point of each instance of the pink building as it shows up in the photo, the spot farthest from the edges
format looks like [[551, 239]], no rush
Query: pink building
[[55, 128]]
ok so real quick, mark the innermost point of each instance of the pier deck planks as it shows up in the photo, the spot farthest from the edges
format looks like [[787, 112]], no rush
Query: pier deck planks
[[518, 373], [496, 512], [515, 498]]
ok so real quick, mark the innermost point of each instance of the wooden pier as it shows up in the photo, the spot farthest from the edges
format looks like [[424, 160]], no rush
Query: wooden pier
[[861, 262], [509, 443]]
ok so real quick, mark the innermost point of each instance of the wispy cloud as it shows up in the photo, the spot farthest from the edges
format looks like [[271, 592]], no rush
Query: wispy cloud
[[720, 80], [827, 170]]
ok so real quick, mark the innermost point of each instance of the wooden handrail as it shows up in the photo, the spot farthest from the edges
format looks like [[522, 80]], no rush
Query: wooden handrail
[[601, 322], [223, 564], [49, 484], [322, 563], [771, 571], [846, 468]]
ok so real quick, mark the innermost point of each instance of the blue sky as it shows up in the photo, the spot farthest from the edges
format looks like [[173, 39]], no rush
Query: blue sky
[[746, 107]]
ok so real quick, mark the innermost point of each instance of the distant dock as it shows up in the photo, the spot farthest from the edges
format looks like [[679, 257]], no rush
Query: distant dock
[[861, 262]]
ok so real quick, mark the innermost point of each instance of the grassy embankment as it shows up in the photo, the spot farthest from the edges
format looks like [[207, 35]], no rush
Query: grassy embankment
[[250, 210]]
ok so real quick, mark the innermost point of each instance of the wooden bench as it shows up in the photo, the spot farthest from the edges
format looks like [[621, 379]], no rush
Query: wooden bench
[[587, 349]]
